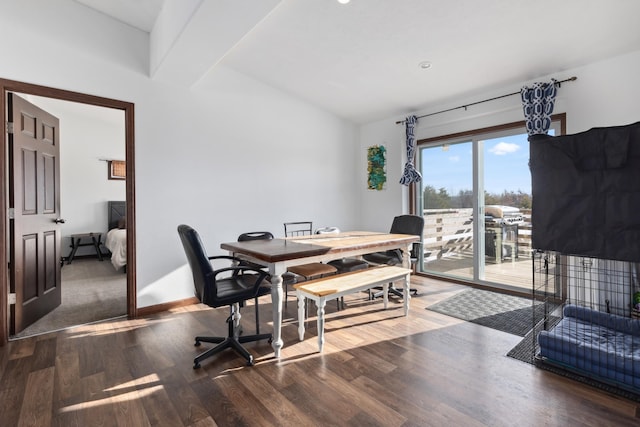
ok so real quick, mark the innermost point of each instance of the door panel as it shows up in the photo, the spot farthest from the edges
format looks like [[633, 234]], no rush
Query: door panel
[[34, 195], [51, 262], [30, 267], [29, 182], [447, 205], [50, 184]]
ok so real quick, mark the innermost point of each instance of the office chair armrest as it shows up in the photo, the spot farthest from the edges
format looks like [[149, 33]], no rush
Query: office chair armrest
[[229, 257], [239, 262], [236, 271]]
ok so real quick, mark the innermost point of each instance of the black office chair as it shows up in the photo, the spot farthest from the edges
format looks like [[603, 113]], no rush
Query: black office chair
[[403, 224], [230, 286]]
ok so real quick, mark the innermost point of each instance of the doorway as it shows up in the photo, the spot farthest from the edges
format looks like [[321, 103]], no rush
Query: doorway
[[7, 86], [475, 196], [92, 288]]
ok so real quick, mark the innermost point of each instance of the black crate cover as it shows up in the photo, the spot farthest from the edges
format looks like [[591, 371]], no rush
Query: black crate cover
[[586, 192]]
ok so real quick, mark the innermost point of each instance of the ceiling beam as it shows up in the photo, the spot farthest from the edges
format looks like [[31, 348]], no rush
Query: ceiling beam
[[191, 37]]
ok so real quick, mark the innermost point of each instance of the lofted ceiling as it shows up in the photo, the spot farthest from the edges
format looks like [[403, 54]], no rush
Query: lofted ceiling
[[361, 60], [141, 14]]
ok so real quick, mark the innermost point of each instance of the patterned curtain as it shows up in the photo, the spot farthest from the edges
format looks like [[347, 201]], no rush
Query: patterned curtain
[[410, 173], [537, 103]]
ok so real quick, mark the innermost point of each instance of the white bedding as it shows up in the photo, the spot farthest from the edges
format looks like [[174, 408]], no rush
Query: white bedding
[[116, 242]]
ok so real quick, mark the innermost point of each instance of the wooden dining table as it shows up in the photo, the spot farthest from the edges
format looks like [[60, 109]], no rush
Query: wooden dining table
[[279, 254]]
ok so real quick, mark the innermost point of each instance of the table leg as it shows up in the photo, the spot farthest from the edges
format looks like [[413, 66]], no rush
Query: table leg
[[406, 256], [236, 320], [321, 304], [276, 307], [407, 293], [385, 295], [301, 319], [406, 263]]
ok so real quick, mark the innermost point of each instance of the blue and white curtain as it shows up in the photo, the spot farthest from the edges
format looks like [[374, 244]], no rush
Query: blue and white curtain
[[410, 173], [537, 103]]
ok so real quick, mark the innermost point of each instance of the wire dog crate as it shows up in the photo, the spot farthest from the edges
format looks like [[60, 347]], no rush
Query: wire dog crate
[[591, 325]]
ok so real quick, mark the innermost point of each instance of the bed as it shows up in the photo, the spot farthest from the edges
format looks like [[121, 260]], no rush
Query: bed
[[116, 240]]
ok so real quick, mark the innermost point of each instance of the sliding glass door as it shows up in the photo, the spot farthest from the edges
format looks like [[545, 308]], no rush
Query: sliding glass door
[[475, 196]]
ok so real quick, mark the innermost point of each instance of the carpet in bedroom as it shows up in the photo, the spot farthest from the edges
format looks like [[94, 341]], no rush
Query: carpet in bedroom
[[92, 291]]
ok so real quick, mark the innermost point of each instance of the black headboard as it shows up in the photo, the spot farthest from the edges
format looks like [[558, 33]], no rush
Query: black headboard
[[116, 210]]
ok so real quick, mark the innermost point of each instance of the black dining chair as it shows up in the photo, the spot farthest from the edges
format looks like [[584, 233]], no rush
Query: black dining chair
[[288, 278], [228, 286], [343, 265], [402, 224], [298, 228], [312, 270]]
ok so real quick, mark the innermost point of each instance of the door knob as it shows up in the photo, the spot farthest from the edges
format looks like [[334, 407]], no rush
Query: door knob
[[59, 221]]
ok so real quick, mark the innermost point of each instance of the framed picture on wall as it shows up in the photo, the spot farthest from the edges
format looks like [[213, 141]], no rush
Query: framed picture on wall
[[117, 169]]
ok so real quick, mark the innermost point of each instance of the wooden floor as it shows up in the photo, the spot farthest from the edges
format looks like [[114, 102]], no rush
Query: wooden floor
[[379, 368]]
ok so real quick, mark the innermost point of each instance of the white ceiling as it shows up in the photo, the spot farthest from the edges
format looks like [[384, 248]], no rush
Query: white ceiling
[[360, 60]]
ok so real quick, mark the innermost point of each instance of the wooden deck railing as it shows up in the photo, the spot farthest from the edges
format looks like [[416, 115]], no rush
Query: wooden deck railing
[[448, 231]]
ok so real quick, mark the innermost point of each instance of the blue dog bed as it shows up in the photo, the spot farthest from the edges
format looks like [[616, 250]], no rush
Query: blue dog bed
[[597, 344]]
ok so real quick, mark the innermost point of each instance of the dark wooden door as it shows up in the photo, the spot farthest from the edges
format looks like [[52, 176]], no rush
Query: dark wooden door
[[34, 202]]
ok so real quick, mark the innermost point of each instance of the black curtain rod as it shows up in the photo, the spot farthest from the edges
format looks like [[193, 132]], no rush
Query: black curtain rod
[[558, 83]]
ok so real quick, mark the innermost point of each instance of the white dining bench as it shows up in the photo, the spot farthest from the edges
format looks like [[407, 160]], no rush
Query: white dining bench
[[333, 287]]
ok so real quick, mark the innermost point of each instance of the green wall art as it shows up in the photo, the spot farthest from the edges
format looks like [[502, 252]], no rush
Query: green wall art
[[376, 167]]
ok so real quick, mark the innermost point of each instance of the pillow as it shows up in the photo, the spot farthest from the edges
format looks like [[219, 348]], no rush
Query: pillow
[[122, 223]]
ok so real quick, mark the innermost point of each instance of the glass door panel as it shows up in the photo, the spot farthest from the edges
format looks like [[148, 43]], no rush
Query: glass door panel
[[446, 200], [507, 211]]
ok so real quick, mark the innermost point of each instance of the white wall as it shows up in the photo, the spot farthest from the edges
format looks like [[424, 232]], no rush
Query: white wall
[[231, 156], [605, 94], [235, 155]]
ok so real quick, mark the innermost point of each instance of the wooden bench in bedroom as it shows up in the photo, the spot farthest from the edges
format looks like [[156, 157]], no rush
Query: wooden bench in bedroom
[[333, 287], [90, 239]]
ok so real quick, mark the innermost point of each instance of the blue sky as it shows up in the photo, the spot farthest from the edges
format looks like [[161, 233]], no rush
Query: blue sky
[[506, 166]]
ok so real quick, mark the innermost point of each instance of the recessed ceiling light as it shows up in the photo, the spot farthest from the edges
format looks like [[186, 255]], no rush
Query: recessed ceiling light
[[425, 65], [343, 1]]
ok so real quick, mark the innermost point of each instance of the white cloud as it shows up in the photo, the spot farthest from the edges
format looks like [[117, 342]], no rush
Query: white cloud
[[454, 159], [502, 148]]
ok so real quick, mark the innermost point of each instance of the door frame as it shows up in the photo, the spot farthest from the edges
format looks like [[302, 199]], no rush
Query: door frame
[[469, 135], [65, 95]]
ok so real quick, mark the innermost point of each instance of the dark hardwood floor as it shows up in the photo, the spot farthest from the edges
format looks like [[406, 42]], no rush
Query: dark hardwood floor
[[378, 368]]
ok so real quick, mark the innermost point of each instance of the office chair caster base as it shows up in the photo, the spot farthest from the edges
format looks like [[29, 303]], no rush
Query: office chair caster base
[[229, 342], [212, 340]]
